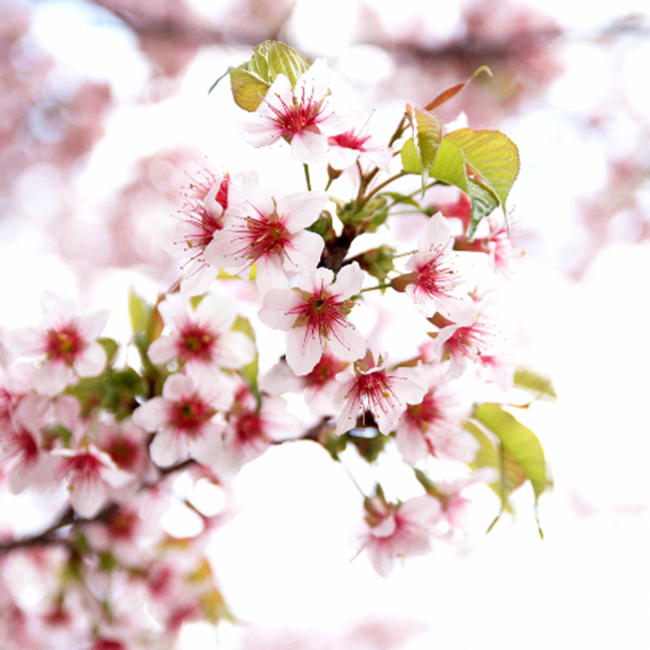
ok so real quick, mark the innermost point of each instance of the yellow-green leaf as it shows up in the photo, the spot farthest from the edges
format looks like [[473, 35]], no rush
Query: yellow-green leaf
[[484, 201], [541, 387], [427, 135], [449, 165], [491, 155], [522, 444], [249, 371], [410, 159], [251, 80]]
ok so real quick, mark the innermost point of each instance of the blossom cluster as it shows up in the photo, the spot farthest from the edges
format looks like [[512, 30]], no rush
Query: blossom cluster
[[107, 442]]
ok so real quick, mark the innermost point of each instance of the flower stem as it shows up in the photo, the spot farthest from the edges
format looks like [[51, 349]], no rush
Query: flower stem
[[307, 178], [379, 286]]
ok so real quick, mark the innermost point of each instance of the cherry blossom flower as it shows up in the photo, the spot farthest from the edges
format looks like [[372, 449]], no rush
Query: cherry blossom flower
[[19, 405], [202, 335], [434, 426], [357, 144], [315, 315], [318, 387], [503, 254], [186, 417], [394, 531], [271, 235], [251, 430], [372, 388], [91, 477], [304, 116], [68, 343], [432, 280], [210, 198], [31, 466]]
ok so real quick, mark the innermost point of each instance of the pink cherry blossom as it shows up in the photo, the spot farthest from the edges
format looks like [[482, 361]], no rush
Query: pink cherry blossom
[[434, 427], [315, 315], [210, 198], [66, 341], [186, 417], [503, 254], [303, 116], [357, 143], [201, 335], [272, 235], [318, 387], [432, 280], [373, 388], [397, 530], [91, 477], [251, 429]]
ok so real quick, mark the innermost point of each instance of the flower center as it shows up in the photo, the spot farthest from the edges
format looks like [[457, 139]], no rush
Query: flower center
[[189, 415], [64, 345]]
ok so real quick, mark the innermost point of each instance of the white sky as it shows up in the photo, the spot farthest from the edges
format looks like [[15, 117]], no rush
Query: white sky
[[284, 561]]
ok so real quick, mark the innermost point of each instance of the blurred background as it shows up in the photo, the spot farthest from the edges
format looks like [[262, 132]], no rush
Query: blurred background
[[105, 109]]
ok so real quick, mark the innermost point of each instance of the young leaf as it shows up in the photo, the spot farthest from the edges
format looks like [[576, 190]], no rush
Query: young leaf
[[251, 80], [251, 370], [427, 135], [491, 155], [540, 386], [484, 201], [410, 159], [449, 165], [447, 94], [522, 444]]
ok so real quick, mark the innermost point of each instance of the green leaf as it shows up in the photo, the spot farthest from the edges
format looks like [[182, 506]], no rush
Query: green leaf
[[139, 312], [427, 136], [251, 80], [491, 155], [522, 445], [449, 165], [484, 202], [539, 385], [410, 159], [110, 348]]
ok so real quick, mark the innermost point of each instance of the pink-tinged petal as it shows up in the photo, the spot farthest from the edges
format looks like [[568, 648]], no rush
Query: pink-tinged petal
[[277, 308], [314, 82], [308, 147], [385, 528], [270, 274], [409, 387], [303, 351], [207, 448], [301, 209], [174, 311], [88, 495], [152, 414], [177, 386], [166, 448], [349, 281], [259, 130], [313, 282], [380, 560], [57, 310], [225, 250], [425, 303], [26, 341], [411, 444], [458, 308], [304, 252], [53, 379], [436, 235], [92, 361], [163, 350], [346, 343], [235, 350], [217, 311], [92, 325]]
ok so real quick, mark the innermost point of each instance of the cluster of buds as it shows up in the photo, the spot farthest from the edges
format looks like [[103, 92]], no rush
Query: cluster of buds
[[108, 443]]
